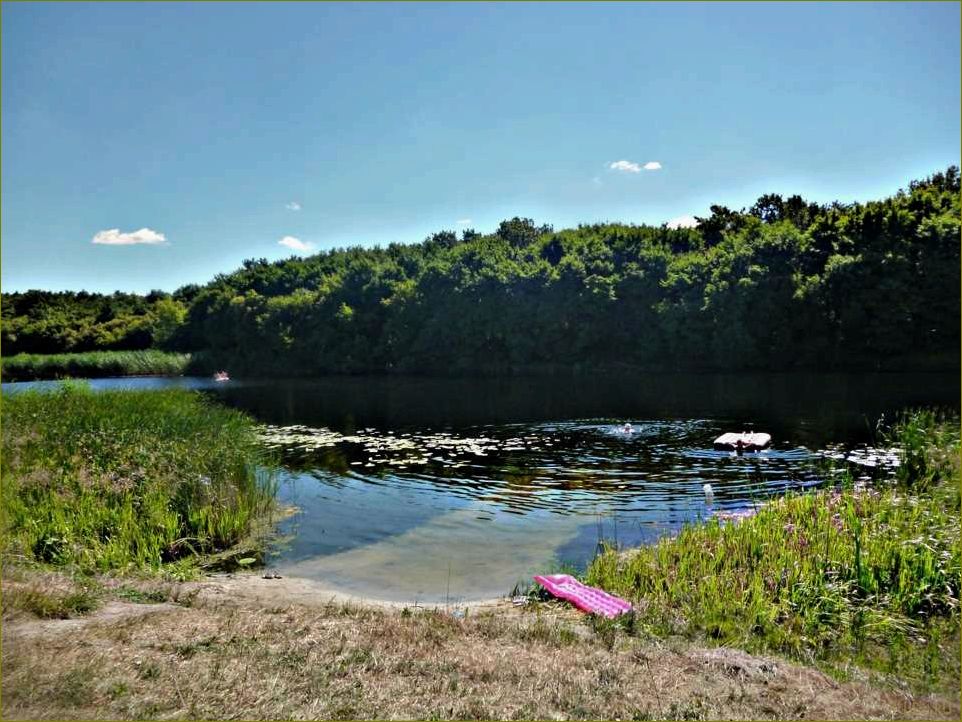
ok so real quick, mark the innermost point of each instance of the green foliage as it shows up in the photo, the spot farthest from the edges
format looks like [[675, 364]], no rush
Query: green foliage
[[929, 449], [47, 322], [168, 316], [93, 364], [122, 479], [785, 284], [832, 575], [141, 596]]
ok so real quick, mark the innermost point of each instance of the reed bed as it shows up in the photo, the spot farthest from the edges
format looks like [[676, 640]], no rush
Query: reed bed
[[869, 575], [94, 364], [118, 480]]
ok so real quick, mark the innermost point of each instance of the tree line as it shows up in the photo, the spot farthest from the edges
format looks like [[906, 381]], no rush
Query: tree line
[[784, 284], [48, 322]]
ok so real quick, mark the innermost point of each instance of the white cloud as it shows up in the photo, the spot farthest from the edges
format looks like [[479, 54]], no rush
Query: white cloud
[[596, 181], [682, 222], [113, 237], [463, 221], [629, 166], [626, 166], [295, 244], [293, 206]]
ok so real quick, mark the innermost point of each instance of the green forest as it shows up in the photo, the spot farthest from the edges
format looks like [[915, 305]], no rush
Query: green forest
[[785, 284]]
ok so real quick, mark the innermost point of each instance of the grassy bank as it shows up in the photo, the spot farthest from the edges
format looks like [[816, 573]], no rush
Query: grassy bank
[[215, 650], [95, 364], [126, 480], [842, 576]]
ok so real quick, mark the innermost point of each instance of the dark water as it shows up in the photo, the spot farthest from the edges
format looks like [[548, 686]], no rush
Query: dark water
[[431, 490]]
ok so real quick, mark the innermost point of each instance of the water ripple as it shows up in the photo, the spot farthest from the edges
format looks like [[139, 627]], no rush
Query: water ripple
[[568, 468]]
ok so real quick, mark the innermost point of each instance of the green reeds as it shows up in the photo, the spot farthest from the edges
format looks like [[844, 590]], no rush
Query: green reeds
[[799, 571], [928, 448], [95, 364], [127, 479]]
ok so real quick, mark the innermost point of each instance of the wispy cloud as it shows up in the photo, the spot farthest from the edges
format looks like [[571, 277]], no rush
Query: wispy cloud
[[625, 166], [596, 181], [629, 166], [295, 244], [463, 221], [293, 206], [113, 237], [682, 222]]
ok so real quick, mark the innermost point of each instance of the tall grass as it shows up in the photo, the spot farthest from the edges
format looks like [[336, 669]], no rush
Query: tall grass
[[120, 479], [870, 575], [928, 445], [26, 367]]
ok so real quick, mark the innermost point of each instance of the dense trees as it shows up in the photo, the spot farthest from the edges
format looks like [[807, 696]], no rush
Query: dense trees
[[52, 322], [784, 284]]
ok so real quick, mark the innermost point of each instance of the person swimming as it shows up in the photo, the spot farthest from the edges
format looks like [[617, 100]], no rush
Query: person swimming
[[627, 428]]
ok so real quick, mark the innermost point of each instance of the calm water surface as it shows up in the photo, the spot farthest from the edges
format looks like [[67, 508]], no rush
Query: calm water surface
[[427, 490]]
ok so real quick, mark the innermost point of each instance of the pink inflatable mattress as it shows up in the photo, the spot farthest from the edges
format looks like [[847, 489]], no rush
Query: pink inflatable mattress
[[583, 597]]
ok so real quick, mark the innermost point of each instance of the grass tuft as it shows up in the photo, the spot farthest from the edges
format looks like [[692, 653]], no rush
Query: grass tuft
[[49, 596], [928, 444], [123, 480]]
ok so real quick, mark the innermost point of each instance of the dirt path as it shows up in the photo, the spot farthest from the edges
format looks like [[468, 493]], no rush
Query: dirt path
[[252, 648]]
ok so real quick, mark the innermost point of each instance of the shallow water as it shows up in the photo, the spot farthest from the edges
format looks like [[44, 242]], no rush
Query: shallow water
[[464, 514], [433, 491]]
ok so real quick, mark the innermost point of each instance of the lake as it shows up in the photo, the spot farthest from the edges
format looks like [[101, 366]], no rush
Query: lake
[[429, 491]]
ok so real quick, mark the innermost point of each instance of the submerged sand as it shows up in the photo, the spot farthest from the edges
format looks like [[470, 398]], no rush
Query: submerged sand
[[451, 559]]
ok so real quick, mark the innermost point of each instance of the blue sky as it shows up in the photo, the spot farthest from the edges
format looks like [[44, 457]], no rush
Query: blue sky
[[188, 137]]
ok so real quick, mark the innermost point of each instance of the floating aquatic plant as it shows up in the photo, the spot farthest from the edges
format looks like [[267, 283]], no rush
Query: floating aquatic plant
[[389, 448]]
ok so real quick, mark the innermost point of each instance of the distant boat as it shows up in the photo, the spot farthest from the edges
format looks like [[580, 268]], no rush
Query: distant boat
[[746, 441], [221, 376]]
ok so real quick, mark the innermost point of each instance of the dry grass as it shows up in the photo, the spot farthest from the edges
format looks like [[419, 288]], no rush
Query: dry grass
[[47, 595], [214, 656]]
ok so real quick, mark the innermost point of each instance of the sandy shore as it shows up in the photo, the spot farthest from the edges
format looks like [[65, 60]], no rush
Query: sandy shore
[[311, 592]]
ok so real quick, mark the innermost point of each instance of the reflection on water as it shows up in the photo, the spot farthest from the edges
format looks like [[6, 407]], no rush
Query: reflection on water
[[432, 490], [444, 489], [566, 468], [808, 409], [143, 383], [436, 516]]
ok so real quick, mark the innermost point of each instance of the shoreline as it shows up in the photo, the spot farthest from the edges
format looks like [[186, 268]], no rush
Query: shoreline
[[314, 593], [510, 373]]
